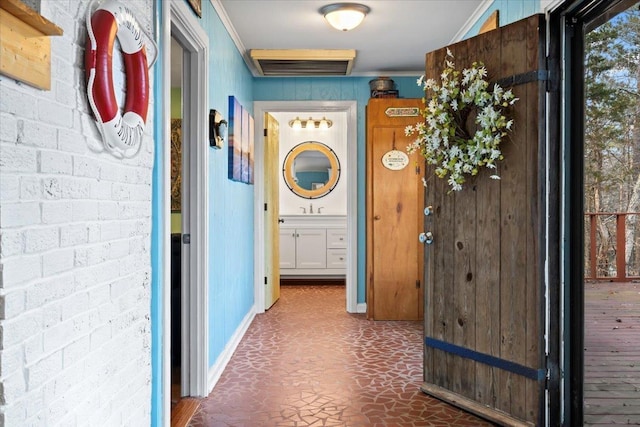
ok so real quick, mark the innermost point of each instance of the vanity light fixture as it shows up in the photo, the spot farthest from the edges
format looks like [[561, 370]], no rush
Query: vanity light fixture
[[311, 123], [324, 124], [295, 124], [344, 16]]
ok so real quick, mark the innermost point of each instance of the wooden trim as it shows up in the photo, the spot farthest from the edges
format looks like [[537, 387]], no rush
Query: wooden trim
[[25, 48], [31, 17], [492, 22], [472, 406], [184, 410]]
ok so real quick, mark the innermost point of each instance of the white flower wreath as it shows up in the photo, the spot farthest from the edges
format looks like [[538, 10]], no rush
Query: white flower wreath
[[442, 138]]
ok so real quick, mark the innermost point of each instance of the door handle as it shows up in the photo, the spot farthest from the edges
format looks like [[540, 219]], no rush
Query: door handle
[[281, 221], [426, 237]]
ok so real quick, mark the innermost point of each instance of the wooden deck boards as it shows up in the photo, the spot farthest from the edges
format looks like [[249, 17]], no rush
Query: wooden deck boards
[[612, 354]]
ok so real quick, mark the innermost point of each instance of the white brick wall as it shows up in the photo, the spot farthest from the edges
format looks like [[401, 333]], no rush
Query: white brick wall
[[74, 250]]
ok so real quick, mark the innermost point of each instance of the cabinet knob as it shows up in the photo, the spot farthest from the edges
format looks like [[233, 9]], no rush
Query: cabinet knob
[[377, 217]]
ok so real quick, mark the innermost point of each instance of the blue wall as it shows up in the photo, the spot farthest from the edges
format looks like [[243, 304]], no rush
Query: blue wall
[[337, 89], [230, 203]]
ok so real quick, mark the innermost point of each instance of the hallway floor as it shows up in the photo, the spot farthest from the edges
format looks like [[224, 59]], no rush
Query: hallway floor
[[307, 362]]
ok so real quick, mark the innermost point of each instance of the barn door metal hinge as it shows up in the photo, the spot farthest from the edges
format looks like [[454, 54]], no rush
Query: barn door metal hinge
[[265, 280], [186, 239], [265, 132], [418, 284], [523, 78], [418, 170], [265, 207], [551, 82]]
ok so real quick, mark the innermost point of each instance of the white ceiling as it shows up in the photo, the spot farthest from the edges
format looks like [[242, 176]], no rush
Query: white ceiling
[[392, 40]]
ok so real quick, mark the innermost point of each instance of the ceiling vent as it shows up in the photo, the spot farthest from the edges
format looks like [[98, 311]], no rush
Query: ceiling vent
[[303, 62]]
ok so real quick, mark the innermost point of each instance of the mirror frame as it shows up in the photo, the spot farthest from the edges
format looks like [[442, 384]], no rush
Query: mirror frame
[[287, 168]]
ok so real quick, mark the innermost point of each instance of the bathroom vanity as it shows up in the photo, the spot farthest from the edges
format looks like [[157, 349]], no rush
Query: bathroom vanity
[[313, 245]]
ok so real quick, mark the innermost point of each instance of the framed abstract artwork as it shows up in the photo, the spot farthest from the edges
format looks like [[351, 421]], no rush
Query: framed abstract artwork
[[240, 143], [176, 164]]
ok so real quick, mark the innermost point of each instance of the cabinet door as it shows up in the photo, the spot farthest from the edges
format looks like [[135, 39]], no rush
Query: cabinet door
[[336, 238], [311, 248], [336, 258], [287, 248]]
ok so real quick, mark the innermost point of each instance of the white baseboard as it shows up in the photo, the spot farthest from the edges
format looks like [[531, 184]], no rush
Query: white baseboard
[[361, 308], [215, 371]]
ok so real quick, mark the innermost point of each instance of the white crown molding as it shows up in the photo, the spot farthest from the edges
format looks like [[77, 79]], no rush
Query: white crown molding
[[226, 21]]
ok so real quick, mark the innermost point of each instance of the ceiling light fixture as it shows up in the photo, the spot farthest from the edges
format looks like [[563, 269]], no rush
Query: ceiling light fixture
[[344, 16]]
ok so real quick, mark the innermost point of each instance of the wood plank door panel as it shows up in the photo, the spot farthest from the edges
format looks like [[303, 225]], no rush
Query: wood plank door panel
[[394, 218], [484, 302], [272, 212]]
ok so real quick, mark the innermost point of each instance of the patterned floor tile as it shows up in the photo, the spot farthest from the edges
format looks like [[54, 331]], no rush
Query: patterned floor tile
[[306, 362]]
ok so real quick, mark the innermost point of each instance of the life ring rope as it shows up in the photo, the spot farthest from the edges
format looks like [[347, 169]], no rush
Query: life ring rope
[[121, 134]]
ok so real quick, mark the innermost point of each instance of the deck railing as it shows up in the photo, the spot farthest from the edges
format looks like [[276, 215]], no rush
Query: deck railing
[[605, 259]]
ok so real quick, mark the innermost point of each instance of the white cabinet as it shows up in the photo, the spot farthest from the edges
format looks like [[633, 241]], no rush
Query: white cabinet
[[303, 248], [337, 248], [311, 246], [287, 248]]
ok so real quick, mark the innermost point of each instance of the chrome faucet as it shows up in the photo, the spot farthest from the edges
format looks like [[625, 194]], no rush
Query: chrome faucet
[[304, 211], [320, 208], [310, 208]]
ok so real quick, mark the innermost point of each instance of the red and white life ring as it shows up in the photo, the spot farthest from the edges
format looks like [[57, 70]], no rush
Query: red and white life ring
[[121, 133]]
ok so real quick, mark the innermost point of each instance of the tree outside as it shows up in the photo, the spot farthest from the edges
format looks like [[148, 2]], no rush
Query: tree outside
[[612, 140]]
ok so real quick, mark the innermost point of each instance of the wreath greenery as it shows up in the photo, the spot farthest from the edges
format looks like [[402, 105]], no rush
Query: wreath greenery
[[443, 139]]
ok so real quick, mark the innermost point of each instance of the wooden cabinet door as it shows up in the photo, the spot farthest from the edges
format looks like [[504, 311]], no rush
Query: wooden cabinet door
[[394, 215]]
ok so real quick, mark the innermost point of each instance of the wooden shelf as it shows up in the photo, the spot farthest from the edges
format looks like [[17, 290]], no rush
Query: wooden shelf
[[25, 48]]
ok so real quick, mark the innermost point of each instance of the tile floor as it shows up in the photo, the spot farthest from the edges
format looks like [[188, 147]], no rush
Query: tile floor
[[307, 362]]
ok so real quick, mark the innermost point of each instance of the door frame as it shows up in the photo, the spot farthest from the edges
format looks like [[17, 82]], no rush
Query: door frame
[[178, 22], [566, 137], [350, 107]]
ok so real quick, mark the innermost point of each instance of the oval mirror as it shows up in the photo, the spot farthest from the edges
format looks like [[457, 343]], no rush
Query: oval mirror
[[311, 170]]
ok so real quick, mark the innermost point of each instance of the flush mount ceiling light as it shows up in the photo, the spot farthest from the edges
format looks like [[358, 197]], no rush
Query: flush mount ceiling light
[[344, 16]]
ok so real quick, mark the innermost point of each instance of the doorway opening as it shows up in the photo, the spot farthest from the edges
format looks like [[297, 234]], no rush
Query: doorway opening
[[312, 185], [348, 109], [185, 357], [612, 217], [602, 148], [176, 190]]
